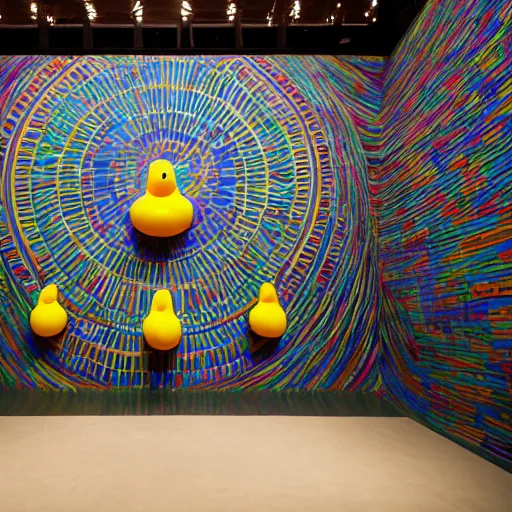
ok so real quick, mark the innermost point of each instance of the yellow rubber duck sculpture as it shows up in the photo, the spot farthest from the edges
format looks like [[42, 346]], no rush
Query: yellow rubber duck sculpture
[[162, 211], [268, 318], [162, 328], [48, 318]]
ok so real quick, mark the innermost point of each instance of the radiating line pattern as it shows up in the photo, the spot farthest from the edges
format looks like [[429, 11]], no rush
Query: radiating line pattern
[[271, 151], [443, 196]]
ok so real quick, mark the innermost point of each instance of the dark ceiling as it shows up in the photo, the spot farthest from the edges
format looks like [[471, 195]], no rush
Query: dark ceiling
[[349, 27], [168, 11]]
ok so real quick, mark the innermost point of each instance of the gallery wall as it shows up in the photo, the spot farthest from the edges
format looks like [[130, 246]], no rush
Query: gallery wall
[[274, 154], [443, 196]]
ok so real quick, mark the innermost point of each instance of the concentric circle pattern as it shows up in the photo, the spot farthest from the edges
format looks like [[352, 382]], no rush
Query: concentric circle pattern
[[272, 189]]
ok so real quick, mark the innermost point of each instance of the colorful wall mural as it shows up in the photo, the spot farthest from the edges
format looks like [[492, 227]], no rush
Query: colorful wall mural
[[443, 196], [272, 152]]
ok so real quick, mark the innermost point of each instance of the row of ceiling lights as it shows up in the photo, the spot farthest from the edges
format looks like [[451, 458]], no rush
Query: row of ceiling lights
[[370, 13], [34, 11], [186, 11], [88, 5], [335, 15]]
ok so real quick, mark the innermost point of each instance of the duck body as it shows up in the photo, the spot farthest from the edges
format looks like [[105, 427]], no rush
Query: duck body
[[48, 318], [162, 211], [162, 216], [162, 328], [268, 318]]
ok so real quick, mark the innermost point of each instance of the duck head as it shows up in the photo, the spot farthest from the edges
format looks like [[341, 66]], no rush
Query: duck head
[[268, 293], [161, 178], [162, 302], [49, 294]]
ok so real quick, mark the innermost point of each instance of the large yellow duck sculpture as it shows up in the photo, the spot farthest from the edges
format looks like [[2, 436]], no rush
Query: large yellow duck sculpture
[[48, 318], [267, 318], [162, 211], [162, 328]]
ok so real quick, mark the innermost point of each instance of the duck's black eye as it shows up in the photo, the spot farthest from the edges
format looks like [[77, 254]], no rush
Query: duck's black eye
[[164, 175]]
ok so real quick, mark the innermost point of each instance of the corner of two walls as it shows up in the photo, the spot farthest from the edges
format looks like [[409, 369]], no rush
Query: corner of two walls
[[443, 198]]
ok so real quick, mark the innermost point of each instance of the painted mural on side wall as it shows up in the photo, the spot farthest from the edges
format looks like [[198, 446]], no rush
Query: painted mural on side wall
[[272, 155], [444, 201]]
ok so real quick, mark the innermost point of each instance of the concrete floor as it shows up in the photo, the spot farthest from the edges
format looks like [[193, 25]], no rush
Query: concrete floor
[[240, 464]]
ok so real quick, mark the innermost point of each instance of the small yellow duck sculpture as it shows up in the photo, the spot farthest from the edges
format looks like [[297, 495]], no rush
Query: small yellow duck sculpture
[[162, 328], [162, 211], [48, 318], [268, 318]]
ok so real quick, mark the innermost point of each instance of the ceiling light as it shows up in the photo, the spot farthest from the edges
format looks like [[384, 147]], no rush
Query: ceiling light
[[231, 11], [339, 5], [90, 10], [270, 15], [186, 10], [138, 11], [295, 10], [367, 14], [374, 20], [374, 3], [33, 11]]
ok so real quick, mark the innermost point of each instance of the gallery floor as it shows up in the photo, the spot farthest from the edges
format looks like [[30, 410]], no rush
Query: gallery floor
[[240, 464]]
